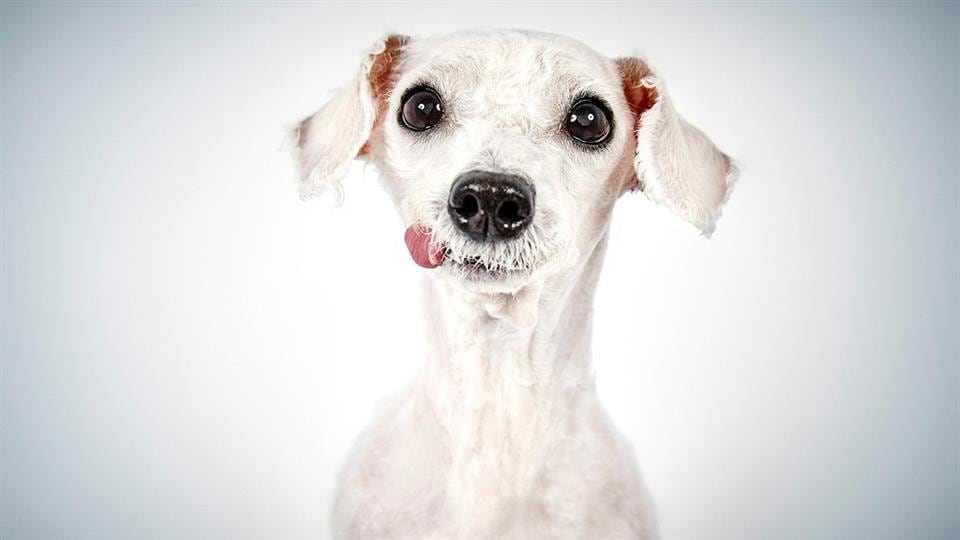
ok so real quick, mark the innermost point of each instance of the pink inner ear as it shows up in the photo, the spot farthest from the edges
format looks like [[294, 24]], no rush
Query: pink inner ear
[[640, 97], [382, 74]]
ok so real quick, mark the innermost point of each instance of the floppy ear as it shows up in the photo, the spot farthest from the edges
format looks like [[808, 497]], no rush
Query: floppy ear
[[676, 164], [331, 138]]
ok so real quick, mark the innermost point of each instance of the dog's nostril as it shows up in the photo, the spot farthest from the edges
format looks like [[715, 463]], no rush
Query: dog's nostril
[[469, 206], [511, 212]]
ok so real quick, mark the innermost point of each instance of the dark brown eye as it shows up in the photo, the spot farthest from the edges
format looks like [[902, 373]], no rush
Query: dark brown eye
[[588, 122], [421, 109]]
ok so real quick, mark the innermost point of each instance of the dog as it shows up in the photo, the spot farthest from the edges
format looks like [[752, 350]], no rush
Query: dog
[[505, 152]]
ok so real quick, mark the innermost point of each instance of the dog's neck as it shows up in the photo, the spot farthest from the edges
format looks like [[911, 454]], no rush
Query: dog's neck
[[535, 341], [504, 371]]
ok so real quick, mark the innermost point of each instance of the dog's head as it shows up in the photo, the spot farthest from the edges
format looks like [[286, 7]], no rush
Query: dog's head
[[506, 150]]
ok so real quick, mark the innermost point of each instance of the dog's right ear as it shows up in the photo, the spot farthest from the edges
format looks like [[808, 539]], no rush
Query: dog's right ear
[[331, 138]]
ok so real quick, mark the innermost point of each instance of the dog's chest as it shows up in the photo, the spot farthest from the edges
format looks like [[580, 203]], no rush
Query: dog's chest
[[496, 439]]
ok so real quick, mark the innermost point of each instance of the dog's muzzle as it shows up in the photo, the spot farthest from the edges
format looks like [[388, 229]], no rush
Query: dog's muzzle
[[491, 207]]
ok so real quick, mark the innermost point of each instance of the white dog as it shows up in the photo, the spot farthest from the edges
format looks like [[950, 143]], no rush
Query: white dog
[[505, 152]]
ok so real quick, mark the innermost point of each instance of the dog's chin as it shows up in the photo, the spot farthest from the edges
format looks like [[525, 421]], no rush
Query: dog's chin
[[476, 276]]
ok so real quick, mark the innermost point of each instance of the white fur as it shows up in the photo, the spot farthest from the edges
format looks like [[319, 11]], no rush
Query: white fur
[[501, 434]]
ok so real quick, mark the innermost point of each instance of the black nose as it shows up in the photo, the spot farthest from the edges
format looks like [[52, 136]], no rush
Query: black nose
[[490, 207]]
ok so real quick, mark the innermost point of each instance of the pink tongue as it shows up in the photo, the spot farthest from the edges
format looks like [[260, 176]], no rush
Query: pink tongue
[[424, 252]]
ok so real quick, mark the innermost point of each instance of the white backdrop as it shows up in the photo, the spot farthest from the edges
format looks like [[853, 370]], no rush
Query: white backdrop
[[188, 350]]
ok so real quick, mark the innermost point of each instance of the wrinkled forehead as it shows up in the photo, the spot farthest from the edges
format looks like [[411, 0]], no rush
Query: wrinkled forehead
[[504, 67]]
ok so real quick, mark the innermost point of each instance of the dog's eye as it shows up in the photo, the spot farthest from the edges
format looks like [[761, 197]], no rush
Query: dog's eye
[[421, 109], [588, 122]]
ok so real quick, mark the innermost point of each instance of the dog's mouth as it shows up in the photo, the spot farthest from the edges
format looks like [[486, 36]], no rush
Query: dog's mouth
[[430, 254], [477, 269]]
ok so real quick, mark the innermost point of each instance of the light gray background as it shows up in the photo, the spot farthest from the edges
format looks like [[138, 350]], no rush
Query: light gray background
[[188, 350]]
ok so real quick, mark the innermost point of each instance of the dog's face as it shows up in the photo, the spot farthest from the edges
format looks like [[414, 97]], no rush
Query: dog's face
[[510, 148]]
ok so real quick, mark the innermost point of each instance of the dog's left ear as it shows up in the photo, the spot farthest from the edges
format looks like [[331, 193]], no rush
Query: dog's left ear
[[331, 138], [676, 164]]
